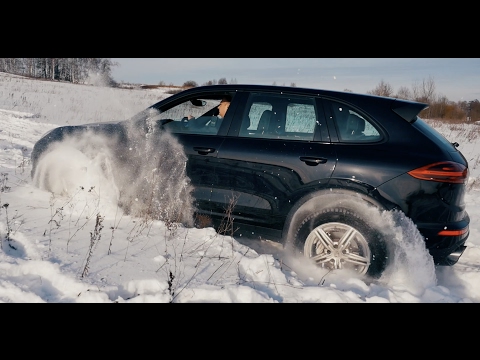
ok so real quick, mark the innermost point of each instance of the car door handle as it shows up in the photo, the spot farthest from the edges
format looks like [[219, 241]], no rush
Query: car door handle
[[203, 151], [312, 161]]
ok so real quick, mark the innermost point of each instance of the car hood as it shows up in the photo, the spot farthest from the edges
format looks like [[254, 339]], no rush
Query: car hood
[[101, 123]]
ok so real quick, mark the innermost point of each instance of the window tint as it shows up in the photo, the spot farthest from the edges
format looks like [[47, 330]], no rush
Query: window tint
[[352, 126], [279, 117]]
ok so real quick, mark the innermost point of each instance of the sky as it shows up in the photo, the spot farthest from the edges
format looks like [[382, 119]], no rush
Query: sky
[[79, 247], [455, 78]]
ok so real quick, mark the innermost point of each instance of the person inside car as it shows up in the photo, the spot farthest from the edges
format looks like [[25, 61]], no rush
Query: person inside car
[[219, 114]]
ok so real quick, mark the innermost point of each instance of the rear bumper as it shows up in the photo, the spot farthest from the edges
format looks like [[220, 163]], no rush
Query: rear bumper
[[453, 257], [446, 250], [448, 256]]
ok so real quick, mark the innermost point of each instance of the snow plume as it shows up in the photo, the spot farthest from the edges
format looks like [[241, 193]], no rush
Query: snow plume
[[146, 177], [97, 79], [78, 162], [154, 183], [411, 265]]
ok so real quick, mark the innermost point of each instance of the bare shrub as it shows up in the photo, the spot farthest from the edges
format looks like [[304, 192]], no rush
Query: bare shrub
[[226, 226], [94, 239], [9, 230], [203, 221], [3, 183]]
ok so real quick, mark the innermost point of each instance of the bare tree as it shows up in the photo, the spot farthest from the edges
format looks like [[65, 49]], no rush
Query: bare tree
[[474, 110], [211, 82], [30, 66], [424, 91], [52, 67], [382, 89], [222, 81], [428, 88], [404, 93], [190, 84], [440, 107]]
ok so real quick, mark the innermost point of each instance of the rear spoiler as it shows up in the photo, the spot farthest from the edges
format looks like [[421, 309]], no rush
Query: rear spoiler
[[407, 110]]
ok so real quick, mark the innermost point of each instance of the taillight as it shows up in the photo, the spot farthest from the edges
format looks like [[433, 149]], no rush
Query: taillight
[[445, 171], [453, 232]]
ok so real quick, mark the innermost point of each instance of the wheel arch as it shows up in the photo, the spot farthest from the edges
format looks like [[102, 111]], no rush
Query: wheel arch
[[339, 208], [344, 197]]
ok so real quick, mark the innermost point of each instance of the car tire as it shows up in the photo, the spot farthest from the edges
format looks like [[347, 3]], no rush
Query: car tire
[[336, 237]]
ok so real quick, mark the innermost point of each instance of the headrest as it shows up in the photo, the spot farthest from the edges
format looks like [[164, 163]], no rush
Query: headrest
[[355, 125]]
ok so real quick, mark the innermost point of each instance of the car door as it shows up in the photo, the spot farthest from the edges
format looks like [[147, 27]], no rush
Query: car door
[[200, 142], [276, 149]]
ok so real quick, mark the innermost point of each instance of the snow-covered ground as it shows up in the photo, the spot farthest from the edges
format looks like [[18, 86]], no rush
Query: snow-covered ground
[[80, 247]]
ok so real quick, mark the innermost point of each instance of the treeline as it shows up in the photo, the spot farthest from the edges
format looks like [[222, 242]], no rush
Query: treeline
[[75, 70], [221, 81], [440, 107]]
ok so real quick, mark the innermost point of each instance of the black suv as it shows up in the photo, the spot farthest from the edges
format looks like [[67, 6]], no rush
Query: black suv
[[299, 166]]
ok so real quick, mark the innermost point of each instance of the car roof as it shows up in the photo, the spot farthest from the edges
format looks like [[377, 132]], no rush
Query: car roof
[[268, 88], [406, 109]]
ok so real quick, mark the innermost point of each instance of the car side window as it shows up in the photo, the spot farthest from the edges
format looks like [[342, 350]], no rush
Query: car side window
[[352, 126], [253, 121], [279, 117], [192, 117], [300, 118]]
